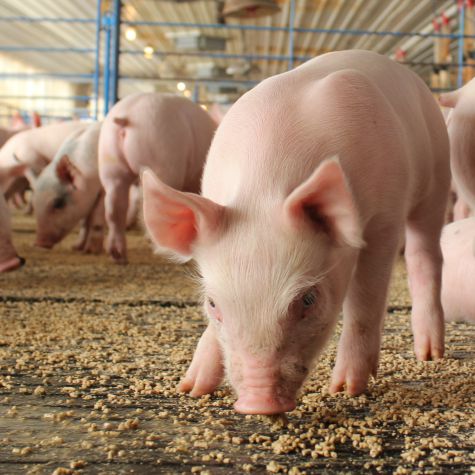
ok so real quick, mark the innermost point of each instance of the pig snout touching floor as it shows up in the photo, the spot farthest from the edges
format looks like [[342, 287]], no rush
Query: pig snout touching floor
[[458, 272], [168, 134], [311, 180]]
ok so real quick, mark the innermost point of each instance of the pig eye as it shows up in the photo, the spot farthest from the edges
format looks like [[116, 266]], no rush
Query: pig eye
[[309, 298], [59, 203], [211, 303]]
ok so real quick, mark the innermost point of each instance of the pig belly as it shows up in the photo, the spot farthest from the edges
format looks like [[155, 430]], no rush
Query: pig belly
[[458, 273]]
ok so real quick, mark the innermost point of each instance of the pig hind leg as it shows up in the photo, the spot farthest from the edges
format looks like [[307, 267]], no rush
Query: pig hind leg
[[364, 309], [424, 266]]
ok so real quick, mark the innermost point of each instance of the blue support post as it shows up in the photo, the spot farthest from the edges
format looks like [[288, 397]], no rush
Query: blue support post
[[114, 86], [461, 43], [106, 23], [196, 92], [291, 34], [97, 66]]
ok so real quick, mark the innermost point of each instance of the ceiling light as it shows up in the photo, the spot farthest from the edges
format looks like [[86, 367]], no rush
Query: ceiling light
[[131, 34], [181, 86]]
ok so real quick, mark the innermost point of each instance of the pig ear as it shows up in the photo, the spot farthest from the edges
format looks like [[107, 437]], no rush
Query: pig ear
[[325, 201], [175, 220], [449, 99], [67, 172]]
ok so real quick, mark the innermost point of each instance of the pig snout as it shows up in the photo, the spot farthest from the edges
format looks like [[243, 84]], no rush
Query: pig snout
[[12, 264], [261, 389]]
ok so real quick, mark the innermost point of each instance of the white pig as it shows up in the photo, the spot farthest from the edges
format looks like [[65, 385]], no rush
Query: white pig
[[69, 190], [18, 125], [169, 134], [310, 181], [35, 148], [461, 126], [458, 272]]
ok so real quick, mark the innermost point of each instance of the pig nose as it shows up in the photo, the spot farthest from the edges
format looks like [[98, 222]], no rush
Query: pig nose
[[266, 404]]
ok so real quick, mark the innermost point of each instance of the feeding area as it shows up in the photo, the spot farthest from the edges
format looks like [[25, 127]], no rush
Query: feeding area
[[225, 251]]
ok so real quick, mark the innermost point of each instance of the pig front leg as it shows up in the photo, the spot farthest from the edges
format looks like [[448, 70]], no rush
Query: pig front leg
[[206, 370], [94, 243], [424, 266], [364, 309], [82, 236]]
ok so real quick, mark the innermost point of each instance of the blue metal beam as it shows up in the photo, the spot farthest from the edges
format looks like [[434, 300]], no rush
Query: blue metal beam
[[68, 76], [461, 44], [291, 34], [49, 98], [350, 32], [114, 60], [45, 49], [97, 66], [26, 19]]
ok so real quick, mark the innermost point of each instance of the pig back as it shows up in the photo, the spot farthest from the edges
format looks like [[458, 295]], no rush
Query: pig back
[[375, 115]]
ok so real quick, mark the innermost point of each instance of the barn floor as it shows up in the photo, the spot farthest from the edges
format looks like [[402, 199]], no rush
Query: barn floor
[[91, 352]]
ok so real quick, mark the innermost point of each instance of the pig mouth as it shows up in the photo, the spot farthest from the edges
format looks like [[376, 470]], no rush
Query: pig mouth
[[265, 397]]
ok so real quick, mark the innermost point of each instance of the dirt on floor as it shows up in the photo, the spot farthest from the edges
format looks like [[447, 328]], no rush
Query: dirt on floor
[[91, 353]]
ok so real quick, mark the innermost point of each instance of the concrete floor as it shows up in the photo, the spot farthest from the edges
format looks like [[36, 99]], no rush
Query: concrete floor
[[91, 352]]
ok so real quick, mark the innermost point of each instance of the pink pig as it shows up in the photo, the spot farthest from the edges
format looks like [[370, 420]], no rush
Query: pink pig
[[458, 248], [166, 133], [9, 259], [68, 190], [18, 125], [461, 126], [310, 182], [35, 148]]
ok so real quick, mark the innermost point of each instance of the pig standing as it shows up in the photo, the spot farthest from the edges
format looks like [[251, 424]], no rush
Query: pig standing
[[69, 190], [35, 148], [169, 134], [9, 259], [310, 181], [461, 126], [458, 272]]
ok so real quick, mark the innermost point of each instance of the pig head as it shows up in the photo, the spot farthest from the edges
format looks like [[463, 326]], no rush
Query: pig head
[[272, 314]]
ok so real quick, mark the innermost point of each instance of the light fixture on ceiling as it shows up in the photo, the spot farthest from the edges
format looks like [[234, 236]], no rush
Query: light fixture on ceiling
[[181, 86], [148, 52], [131, 34], [249, 8]]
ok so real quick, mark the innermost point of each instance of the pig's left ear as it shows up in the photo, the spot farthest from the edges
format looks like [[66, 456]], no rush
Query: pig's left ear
[[68, 173], [175, 220], [325, 201]]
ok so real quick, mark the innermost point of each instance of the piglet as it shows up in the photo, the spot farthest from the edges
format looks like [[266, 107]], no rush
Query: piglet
[[68, 190], [166, 133], [311, 180], [458, 272]]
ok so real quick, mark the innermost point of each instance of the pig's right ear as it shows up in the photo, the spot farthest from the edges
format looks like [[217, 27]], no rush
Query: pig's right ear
[[176, 220], [449, 99], [67, 172]]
